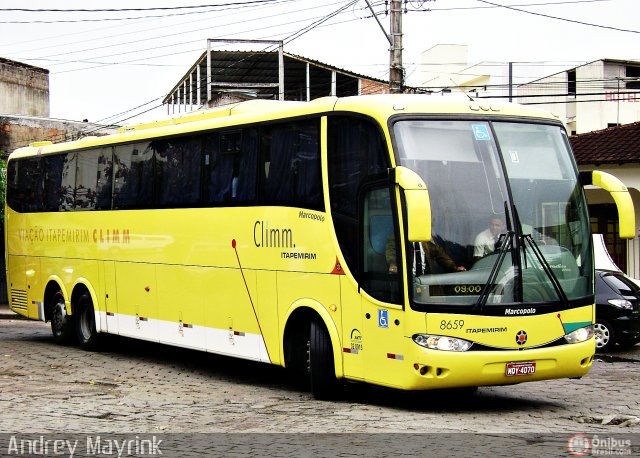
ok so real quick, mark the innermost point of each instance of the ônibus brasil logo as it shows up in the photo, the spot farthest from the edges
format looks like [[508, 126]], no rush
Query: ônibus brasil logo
[[579, 445]]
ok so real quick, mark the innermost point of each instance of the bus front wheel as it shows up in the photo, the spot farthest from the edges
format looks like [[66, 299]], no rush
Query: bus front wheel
[[88, 337], [61, 322], [324, 384]]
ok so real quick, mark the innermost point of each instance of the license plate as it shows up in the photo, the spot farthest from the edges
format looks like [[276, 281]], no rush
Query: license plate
[[520, 368]]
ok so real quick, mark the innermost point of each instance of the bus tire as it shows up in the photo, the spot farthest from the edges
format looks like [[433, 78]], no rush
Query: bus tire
[[88, 337], [62, 324], [322, 374]]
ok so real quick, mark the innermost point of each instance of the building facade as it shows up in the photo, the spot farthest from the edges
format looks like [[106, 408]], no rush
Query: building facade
[[601, 94], [18, 131], [613, 150], [24, 89]]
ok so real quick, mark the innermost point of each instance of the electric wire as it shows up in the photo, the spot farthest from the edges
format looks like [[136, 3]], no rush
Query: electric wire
[[617, 29], [314, 25]]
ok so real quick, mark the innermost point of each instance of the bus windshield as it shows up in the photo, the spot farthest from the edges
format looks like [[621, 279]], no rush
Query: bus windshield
[[509, 219]]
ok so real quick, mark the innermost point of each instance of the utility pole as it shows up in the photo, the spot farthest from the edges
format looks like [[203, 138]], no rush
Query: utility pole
[[396, 72], [510, 81]]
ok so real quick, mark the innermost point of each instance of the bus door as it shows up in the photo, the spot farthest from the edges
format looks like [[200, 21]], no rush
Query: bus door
[[352, 340], [380, 286]]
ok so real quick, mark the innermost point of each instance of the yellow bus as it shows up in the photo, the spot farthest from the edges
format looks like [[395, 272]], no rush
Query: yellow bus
[[343, 238]]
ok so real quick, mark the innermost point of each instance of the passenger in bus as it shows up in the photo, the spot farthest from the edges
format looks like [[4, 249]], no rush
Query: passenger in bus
[[429, 253], [485, 242]]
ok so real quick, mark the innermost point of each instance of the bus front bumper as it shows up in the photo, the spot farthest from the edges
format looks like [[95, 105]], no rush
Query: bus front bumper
[[432, 369]]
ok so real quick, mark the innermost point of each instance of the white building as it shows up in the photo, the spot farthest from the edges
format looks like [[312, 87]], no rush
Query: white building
[[594, 96], [445, 68]]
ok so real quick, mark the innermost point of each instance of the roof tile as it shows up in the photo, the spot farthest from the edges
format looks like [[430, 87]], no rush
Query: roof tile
[[615, 145]]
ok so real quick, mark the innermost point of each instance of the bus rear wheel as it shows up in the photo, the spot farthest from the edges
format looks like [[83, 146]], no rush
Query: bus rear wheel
[[88, 337], [322, 374], [61, 323]]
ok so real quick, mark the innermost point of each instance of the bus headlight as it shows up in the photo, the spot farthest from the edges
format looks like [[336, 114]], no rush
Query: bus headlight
[[441, 342], [579, 335]]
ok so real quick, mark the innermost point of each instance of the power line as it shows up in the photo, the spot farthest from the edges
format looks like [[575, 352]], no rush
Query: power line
[[131, 18], [458, 8], [138, 31], [110, 10], [317, 23], [559, 18], [177, 34], [290, 38]]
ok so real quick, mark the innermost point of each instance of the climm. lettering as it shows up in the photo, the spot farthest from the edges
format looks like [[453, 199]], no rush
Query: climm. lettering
[[265, 237], [111, 236]]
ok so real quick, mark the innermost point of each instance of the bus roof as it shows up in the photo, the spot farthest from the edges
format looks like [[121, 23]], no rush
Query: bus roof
[[380, 107]]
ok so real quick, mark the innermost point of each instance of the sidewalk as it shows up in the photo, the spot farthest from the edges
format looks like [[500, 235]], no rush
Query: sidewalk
[[7, 314]]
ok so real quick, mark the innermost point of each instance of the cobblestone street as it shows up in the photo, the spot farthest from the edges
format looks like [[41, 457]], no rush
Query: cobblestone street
[[149, 388]]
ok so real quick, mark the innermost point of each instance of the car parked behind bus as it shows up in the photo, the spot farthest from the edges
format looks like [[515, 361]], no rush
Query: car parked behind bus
[[617, 310]]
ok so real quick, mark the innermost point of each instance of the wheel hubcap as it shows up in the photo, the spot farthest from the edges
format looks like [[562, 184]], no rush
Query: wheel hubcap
[[59, 314], [85, 325], [602, 335]]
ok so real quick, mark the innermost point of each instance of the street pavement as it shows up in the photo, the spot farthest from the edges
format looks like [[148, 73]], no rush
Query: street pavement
[[142, 387]]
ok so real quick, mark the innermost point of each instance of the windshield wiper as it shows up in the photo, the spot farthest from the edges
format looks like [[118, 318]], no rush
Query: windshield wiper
[[505, 246], [546, 267]]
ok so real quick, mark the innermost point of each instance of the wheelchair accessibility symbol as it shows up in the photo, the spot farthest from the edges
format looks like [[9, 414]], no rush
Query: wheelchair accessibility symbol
[[481, 132], [383, 318]]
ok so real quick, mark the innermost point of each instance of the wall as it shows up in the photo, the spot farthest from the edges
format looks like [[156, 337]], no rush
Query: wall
[[586, 113], [18, 131], [24, 89], [629, 174]]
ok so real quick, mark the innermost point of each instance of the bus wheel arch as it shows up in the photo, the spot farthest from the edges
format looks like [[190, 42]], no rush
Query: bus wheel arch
[[56, 311], [86, 326], [311, 350]]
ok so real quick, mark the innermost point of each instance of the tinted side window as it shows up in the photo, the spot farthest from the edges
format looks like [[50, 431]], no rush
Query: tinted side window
[[178, 171], [231, 159], [87, 180], [105, 179], [355, 152], [292, 168], [219, 163], [30, 181], [133, 178], [59, 182], [13, 189], [247, 183]]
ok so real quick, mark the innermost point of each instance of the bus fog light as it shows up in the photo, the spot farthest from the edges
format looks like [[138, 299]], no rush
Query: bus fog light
[[441, 342], [579, 335]]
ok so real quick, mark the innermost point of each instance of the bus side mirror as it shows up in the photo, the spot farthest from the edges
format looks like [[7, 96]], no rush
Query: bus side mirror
[[416, 197], [621, 197]]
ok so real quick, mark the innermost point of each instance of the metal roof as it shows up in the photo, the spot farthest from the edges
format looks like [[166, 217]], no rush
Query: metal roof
[[257, 71]]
